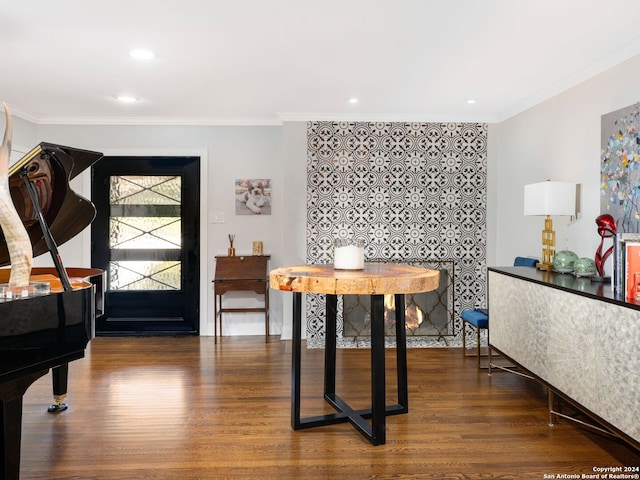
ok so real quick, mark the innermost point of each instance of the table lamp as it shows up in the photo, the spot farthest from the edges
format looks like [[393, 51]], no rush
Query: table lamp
[[549, 198]]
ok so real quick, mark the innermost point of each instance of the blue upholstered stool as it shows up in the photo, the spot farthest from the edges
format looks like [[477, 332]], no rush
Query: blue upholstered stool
[[479, 317], [525, 262]]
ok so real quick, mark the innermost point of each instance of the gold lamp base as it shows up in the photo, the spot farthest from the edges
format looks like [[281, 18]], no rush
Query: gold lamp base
[[546, 267], [548, 240]]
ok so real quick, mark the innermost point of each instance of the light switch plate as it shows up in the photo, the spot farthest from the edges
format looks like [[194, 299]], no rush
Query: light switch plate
[[216, 217]]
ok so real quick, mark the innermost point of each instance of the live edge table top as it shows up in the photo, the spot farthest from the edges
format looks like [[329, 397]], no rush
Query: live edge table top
[[374, 279]]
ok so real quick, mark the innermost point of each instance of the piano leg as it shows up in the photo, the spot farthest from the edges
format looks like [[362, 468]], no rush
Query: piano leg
[[11, 394], [59, 376]]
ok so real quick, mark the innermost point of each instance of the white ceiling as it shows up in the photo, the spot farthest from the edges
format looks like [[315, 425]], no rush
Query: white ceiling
[[265, 61]]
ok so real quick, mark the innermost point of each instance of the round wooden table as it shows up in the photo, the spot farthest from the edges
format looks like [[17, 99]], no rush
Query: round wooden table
[[374, 279], [377, 280]]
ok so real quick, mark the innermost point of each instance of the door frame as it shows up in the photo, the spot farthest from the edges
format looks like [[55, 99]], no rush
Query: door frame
[[203, 247]]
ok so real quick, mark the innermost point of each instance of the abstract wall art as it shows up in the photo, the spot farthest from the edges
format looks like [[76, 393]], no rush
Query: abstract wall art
[[619, 167]]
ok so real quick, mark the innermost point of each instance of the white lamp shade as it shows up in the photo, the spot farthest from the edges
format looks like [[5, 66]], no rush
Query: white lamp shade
[[550, 198]]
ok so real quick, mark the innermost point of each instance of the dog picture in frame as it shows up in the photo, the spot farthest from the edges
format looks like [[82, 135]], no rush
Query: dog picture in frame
[[253, 196]]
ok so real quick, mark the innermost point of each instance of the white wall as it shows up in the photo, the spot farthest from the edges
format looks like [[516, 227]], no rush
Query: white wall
[[25, 133], [559, 140], [229, 153], [294, 243]]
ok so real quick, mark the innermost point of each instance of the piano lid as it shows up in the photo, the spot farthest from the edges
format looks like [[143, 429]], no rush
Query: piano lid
[[50, 167]]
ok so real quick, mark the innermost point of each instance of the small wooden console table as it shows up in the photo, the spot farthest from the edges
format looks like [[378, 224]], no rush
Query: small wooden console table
[[240, 273], [376, 279]]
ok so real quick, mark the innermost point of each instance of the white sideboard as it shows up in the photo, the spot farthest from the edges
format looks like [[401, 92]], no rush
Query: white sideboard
[[575, 337]]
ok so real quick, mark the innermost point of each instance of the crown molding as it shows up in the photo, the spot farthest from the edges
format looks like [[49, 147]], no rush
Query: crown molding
[[237, 121], [146, 121], [18, 113], [160, 121], [402, 118], [603, 64]]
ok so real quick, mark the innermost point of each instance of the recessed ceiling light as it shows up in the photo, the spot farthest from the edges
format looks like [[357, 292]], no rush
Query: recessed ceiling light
[[126, 99], [142, 54], [471, 101], [353, 100]]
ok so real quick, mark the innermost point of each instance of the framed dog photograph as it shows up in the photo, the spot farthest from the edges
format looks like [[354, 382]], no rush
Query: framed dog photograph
[[253, 196]]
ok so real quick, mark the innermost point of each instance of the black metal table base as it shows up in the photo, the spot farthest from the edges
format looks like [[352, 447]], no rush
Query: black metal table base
[[375, 429]]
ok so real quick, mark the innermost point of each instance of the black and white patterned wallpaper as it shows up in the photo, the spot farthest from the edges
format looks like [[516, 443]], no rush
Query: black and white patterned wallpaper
[[412, 191]]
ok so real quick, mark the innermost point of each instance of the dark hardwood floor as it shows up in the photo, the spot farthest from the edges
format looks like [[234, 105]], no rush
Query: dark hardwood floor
[[185, 408]]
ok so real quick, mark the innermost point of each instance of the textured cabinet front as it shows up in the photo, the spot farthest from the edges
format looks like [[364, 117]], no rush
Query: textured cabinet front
[[583, 347]]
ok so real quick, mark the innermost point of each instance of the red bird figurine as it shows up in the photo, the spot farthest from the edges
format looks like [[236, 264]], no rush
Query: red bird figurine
[[606, 228]]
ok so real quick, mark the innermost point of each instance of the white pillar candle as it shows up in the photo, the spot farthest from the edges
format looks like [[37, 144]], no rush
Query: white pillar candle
[[349, 257]]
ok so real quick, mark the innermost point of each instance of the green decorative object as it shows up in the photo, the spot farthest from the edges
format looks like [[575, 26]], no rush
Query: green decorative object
[[564, 261], [584, 267]]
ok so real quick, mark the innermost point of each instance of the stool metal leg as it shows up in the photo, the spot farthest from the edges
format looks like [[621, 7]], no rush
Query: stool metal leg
[[464, 338], [478, 344], [478, 352]]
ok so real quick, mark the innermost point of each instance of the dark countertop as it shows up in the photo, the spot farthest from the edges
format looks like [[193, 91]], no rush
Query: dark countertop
[[567, 282]]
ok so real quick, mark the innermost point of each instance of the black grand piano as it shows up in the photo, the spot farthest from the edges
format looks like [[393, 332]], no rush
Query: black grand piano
[[44, 331]]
